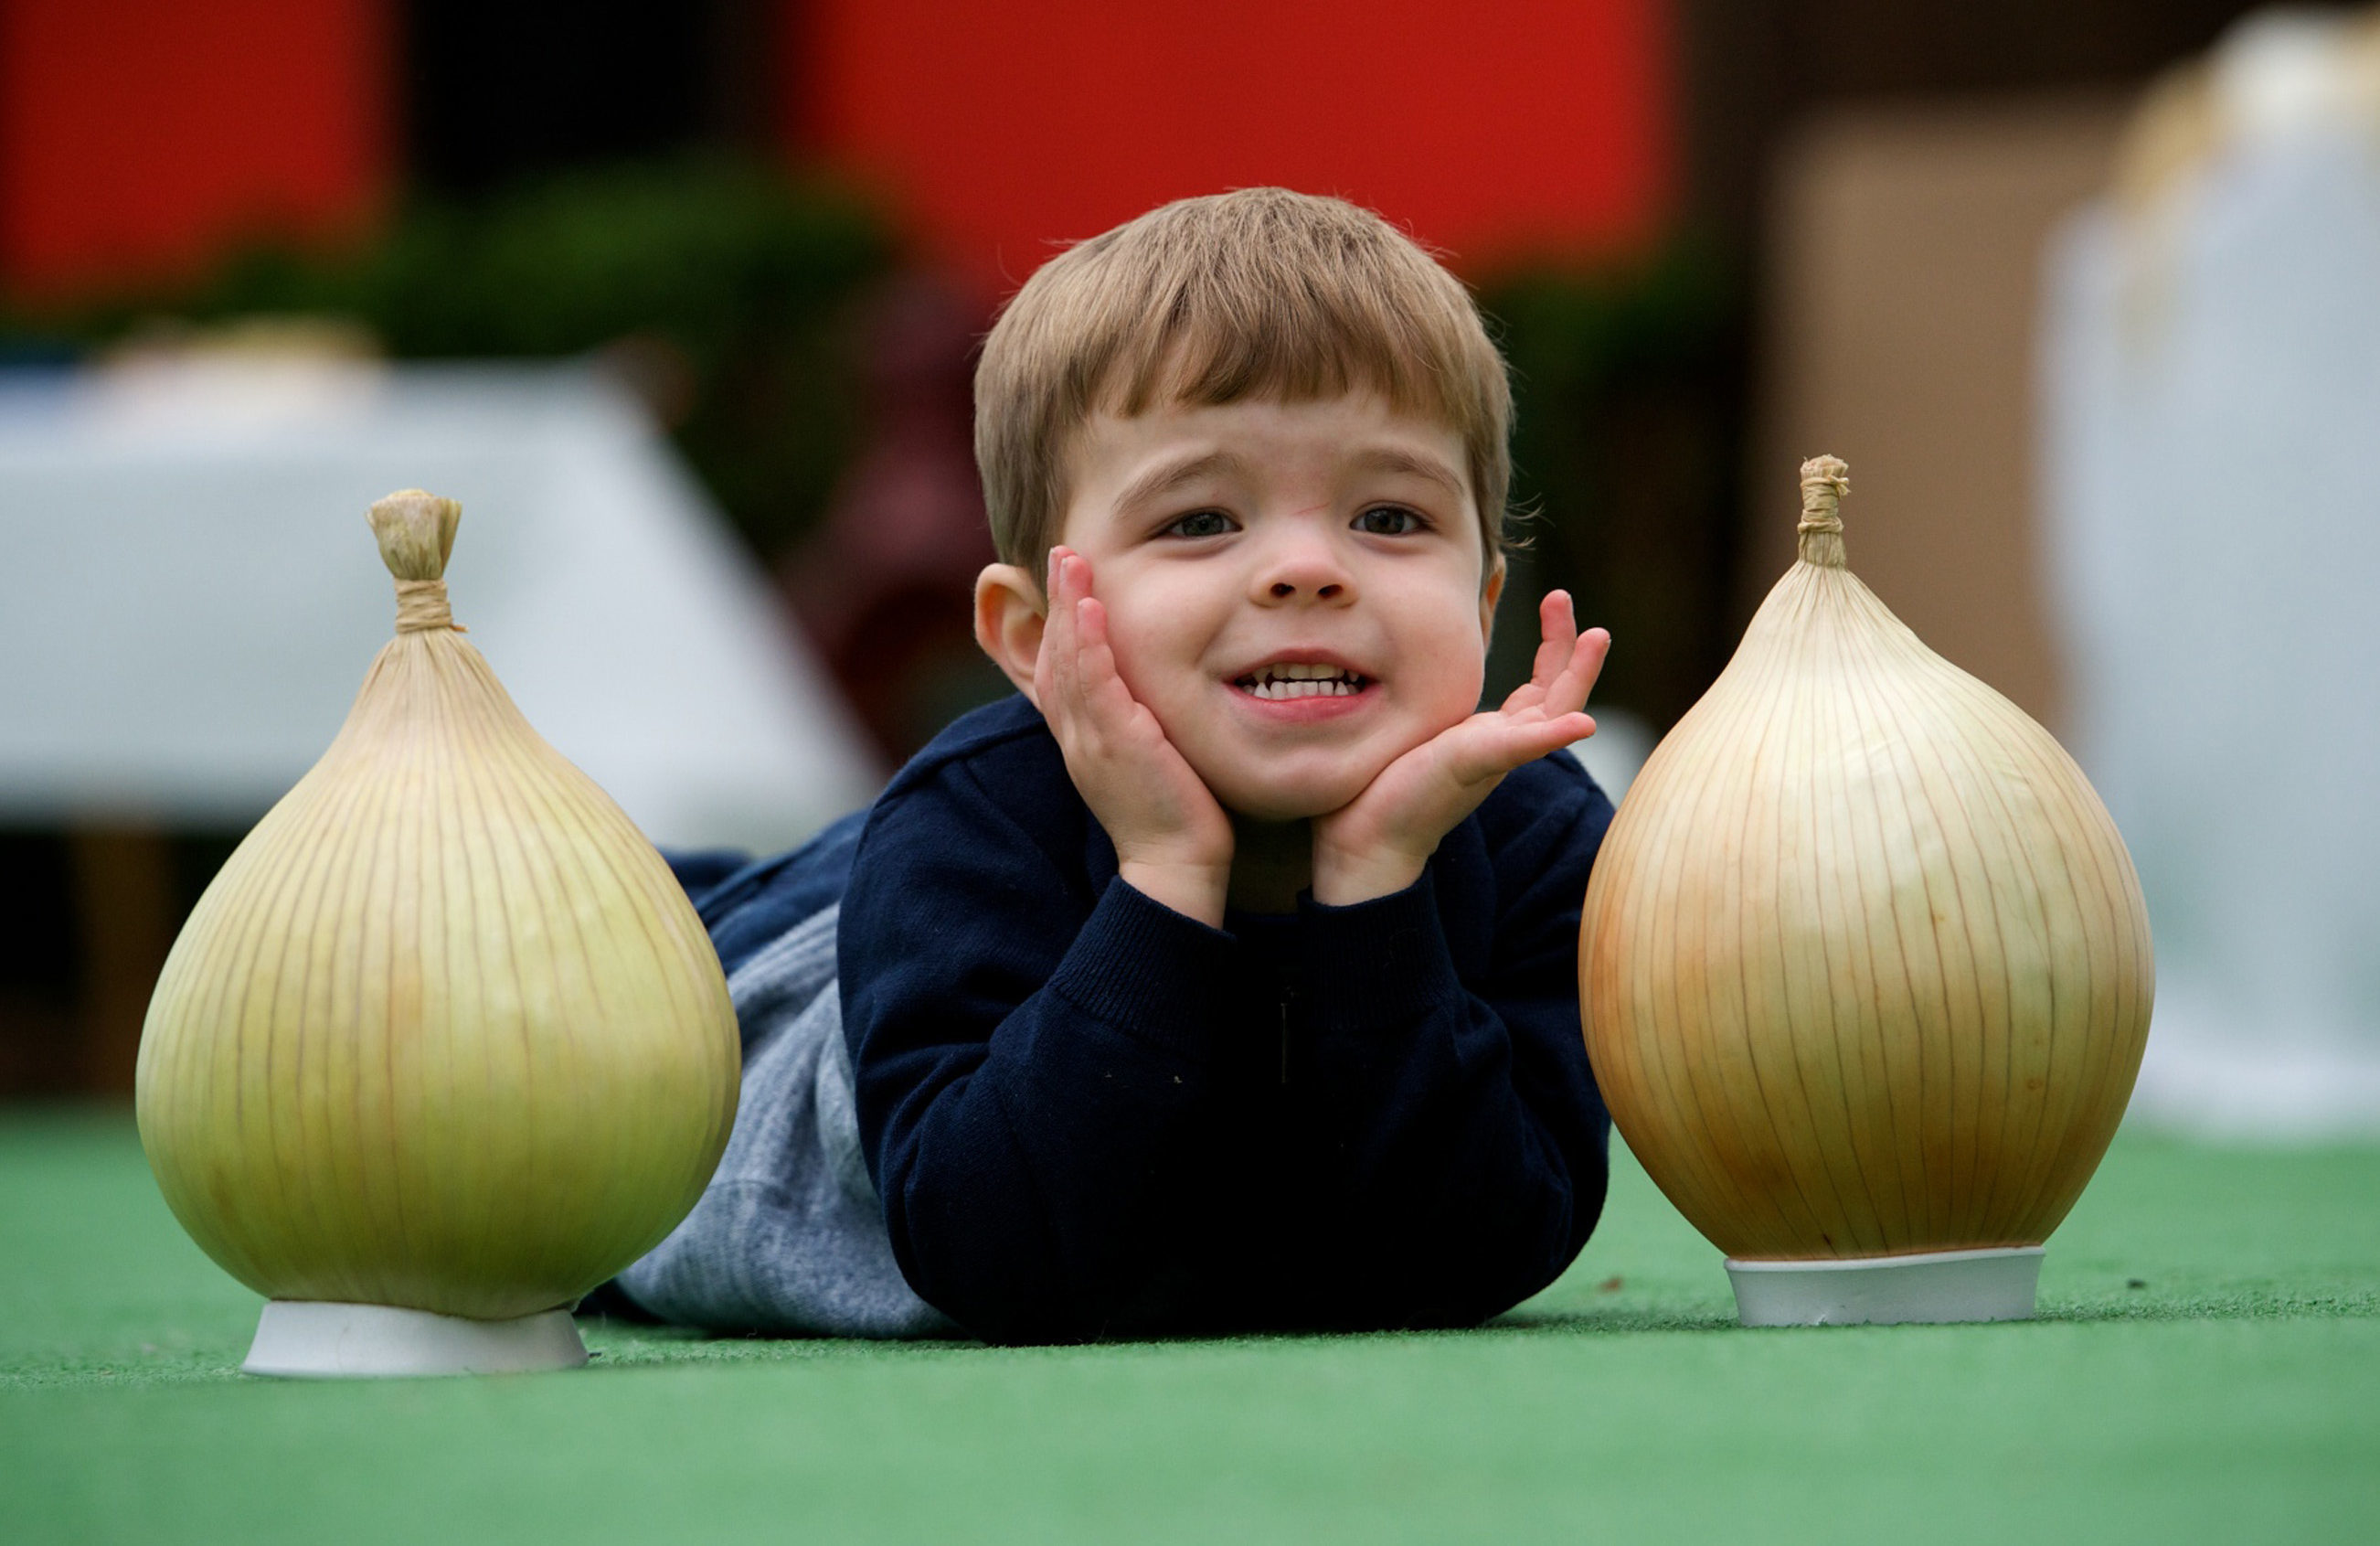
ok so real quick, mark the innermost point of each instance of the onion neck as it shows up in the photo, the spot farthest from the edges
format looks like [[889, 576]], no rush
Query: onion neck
[[1824, 549], [422, 606], [1825, 481]]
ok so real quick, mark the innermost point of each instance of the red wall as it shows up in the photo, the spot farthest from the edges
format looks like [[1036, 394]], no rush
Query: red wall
[[1489, 128], [138, 136]]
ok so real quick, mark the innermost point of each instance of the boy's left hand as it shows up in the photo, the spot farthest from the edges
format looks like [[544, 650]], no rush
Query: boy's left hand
[[1378, 842]]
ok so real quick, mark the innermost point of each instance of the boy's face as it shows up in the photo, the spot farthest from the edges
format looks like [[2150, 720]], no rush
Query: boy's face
[[1295, 589]]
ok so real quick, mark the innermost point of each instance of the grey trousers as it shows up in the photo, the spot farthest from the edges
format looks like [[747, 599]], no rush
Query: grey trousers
[[789, 1238]]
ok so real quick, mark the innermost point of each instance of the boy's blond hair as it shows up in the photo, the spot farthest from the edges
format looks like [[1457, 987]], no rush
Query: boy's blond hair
[[1262, 293]]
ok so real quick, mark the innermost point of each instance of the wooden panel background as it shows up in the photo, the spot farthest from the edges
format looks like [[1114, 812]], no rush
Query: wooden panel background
[[1899, 323]]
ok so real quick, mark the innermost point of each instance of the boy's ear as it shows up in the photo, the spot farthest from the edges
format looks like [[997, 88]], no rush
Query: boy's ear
[[1489, 594], [1009, 618]]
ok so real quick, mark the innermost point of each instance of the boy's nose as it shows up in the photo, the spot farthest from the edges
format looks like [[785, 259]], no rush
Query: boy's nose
[[1306, 569]]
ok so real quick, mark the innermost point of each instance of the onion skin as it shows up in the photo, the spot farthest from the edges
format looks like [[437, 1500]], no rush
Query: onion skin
[[445, 1032], [1864, 967]]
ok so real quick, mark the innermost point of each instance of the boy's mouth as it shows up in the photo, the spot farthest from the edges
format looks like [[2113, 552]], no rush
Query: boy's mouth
[[1287, 679]]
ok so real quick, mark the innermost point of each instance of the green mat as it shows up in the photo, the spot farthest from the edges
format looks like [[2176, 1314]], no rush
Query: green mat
[[2207, 1370]]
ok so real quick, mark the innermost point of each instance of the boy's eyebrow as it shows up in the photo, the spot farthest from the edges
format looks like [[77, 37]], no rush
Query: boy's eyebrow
[[1388, 459], [1165, 476]]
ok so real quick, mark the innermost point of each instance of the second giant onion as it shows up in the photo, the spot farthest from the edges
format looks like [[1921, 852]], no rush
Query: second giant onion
[[1865, 969]]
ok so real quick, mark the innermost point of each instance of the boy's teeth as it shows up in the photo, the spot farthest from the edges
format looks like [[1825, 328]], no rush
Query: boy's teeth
[[1302, 681]]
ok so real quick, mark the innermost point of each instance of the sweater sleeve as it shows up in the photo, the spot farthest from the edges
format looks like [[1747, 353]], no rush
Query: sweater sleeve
[[1466, 1141], [1027, 1053]]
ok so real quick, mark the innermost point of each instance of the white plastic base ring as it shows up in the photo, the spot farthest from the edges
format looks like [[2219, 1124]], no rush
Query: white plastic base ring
[[1996, 1284], [312, 1340]]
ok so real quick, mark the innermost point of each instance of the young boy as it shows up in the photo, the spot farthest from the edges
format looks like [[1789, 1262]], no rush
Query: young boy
[[1226, 977]]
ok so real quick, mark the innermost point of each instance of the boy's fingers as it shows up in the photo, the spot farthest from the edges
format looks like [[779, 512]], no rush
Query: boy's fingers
[[1087, 659], [1522, 697], [1558, 633], [1060, 641], [1094, 659], [1594, 649], [1074, 574], [1518, 744], [1562, 685], [1047, 682], [1489, 746], [1568, 692], [1107, 701], [1528, 741]]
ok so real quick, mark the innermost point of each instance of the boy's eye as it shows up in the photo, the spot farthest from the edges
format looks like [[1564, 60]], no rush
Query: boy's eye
[[1389, 520], [1200, 523]]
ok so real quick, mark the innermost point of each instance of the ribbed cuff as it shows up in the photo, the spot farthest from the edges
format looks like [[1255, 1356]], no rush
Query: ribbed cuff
[[1157, 975], [1378, 963]]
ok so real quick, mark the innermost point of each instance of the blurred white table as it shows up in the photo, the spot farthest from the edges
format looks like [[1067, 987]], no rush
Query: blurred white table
[[192, 594]]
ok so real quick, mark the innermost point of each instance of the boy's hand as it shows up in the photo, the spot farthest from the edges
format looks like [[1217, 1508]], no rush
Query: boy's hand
[[1377, 842], [1173, 841]]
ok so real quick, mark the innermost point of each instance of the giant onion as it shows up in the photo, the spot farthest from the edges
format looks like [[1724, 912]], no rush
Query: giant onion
[[443, 1036], [1864, 967]]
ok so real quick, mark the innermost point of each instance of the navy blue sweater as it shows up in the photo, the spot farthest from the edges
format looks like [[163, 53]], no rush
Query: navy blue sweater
[[1088, 1115]]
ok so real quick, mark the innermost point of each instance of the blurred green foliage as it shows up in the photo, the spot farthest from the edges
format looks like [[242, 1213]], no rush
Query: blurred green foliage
[[1628, 387], [724, 287]]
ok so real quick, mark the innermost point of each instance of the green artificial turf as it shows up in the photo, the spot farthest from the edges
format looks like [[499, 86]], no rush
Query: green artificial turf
[[2207, 1368]]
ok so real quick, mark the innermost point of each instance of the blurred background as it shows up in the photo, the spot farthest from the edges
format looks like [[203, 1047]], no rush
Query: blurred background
[[680, 299]]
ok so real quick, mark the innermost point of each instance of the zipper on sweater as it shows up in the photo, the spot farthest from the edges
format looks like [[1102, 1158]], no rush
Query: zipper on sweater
[[1284, 1037]]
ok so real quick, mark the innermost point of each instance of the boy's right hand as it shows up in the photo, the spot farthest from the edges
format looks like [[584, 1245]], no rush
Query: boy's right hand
[[1173, 841]]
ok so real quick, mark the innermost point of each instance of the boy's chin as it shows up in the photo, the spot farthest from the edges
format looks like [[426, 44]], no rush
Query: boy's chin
[[1288, 802], [1297, 793]]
